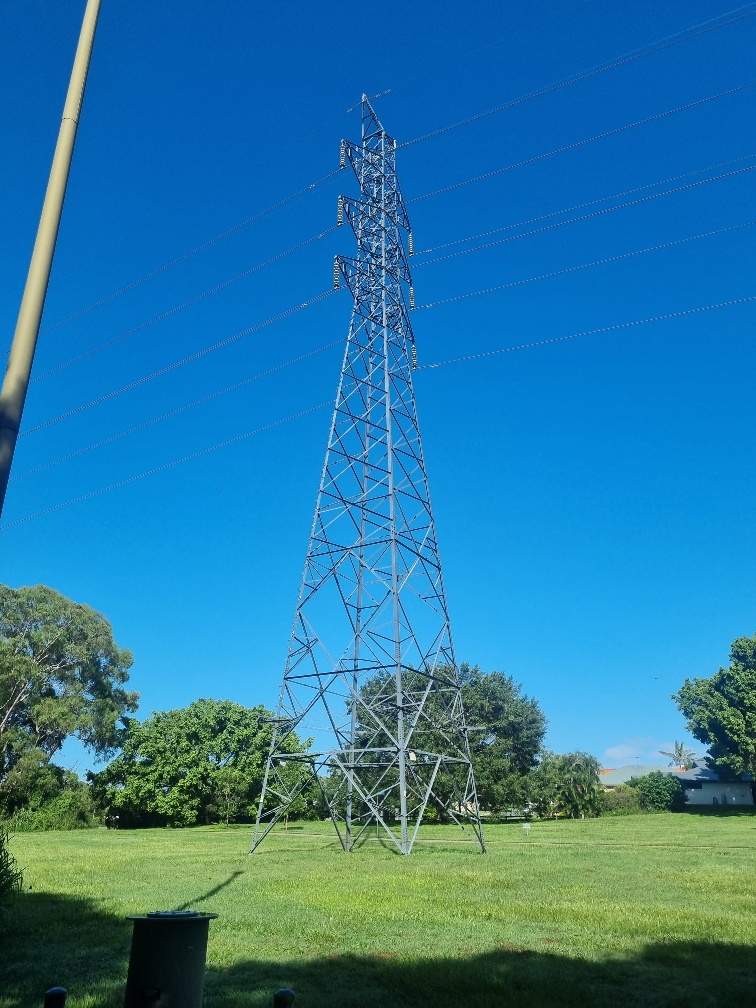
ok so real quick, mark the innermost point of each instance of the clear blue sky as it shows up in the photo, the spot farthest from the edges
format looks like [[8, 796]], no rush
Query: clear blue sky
[[594, 497]]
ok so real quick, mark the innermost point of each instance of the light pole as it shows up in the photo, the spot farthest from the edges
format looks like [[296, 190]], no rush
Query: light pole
[[18, 371]]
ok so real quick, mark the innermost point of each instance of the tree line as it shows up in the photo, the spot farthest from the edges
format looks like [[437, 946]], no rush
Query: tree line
[[62, 675]]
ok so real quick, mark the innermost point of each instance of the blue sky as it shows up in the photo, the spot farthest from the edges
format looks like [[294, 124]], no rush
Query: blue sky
[[593, 496]]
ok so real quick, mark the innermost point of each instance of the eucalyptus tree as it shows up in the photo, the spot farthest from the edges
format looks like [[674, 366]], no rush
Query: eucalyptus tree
[[61, 675]]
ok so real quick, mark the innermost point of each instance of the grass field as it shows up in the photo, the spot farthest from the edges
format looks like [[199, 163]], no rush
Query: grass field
[[647, 911]]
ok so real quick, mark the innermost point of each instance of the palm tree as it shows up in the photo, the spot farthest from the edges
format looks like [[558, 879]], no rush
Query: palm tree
[[580, 790], [680, 757]]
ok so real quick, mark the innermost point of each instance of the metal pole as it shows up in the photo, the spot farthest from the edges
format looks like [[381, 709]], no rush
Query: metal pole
[[18, 371]]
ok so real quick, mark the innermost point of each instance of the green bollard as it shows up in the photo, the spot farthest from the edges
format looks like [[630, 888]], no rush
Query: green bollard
[[167, 961]]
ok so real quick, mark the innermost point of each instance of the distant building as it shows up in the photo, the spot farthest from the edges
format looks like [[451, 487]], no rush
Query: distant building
[[702, 785]]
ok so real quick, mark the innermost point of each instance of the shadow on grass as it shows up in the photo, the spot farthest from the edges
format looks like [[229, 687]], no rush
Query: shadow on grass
[[210, 893], [52, 940], [721, 811]]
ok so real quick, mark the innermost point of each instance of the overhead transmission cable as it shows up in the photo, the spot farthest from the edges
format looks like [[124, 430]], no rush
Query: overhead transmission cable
[[177, 364], [169, 465], [178, 308], [187, 255], [581, 143], [457, 360], [432, 304], [576, 220], [682, 36], [589, 332], [581, 206], [295, 248], [588, 265], [175, 412]]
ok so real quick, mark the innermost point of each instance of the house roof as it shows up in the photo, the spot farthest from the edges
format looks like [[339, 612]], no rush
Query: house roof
[[701, 773], [622, 775]]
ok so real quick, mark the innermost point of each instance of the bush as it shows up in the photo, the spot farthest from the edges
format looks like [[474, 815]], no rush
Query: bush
[[70, 810], [659, 792], [622, 800], [11, 878]]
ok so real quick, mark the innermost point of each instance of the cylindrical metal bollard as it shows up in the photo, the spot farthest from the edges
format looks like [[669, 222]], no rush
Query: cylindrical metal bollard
[[55, 997], [167, 962], [283, 998]]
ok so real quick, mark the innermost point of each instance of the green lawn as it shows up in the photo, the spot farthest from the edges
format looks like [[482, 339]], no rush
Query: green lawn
[[637, 911]]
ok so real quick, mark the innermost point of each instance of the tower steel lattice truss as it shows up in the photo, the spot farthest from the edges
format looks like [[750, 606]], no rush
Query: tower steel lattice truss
[[371, 671]]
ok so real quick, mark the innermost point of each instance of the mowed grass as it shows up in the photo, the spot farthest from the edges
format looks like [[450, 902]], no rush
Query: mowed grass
[[638, 911]]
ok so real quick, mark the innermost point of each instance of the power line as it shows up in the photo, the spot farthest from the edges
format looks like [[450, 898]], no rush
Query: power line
[[691, 32], [515, 283], [583, 217], [581, 206], [582, 266], [178, 364], [686, 33], [177, 308], [423, 367], [175, 412], [590, 332], [167, 465], [194, 251], [652, 47], [581, 143]]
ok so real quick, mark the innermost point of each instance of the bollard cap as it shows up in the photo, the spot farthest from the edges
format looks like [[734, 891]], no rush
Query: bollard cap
[[173, 915], [283, 998]]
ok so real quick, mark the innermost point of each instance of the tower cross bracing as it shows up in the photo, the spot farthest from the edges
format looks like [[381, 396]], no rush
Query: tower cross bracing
[[371, 669]]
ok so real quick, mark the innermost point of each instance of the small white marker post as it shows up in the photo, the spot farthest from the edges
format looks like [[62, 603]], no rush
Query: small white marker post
[[526, 827]]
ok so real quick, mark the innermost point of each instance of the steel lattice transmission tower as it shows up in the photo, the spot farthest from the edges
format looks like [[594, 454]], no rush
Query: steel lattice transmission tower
[[371, 669]]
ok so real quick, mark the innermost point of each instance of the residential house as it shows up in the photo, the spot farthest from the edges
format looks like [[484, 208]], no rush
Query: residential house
[[702, 785]]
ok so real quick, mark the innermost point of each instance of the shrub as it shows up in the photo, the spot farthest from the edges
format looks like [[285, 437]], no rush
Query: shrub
[[660, 792], [11, 877], [622, 800], [70, 810]]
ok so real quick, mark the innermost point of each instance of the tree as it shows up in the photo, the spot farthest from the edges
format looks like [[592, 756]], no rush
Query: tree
[[567, 785], [659, 792], [721, 711], [203, 763], [506, 730], [506, 737], [680, 756], [61, 674]]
